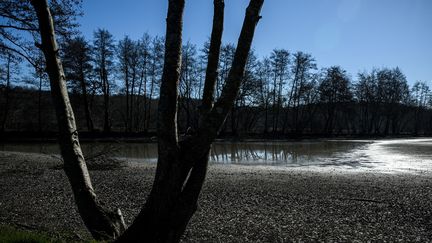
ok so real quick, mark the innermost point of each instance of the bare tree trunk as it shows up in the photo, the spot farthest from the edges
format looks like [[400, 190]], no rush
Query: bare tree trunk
[[40, 101], [274, 125], [265, 118], [106, 94], [152, 84], [87, 111], [144, 127], [126, 118], [182, 166], [7, 90], [132, 121], [102, 223], [233, 120]]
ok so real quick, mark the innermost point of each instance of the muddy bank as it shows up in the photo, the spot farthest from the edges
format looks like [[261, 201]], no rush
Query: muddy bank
[[238, 203]]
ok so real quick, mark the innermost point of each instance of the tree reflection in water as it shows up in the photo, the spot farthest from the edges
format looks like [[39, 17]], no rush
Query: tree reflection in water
[[278, 153], [381, 155]]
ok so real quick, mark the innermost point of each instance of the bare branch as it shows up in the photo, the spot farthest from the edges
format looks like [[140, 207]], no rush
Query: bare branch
[[214, 120], [213, 56], [32, 62], [17, 28], [167, 108], [14, 18]]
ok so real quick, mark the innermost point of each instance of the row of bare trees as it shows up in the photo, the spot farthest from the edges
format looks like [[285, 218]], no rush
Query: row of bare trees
[[105, 68], [114, 86]]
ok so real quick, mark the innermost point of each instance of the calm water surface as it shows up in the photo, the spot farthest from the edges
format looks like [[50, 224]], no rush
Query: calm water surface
[[392, 155]]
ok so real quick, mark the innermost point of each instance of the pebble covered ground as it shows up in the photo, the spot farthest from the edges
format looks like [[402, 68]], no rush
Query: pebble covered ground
[[238, 203]]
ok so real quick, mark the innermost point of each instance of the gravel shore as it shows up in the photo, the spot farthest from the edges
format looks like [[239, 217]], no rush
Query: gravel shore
[[238, 203]]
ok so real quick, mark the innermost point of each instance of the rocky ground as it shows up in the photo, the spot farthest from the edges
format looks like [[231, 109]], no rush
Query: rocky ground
[[238, 203]]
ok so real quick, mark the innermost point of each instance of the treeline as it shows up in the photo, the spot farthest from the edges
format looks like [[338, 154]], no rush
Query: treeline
[[114, 86]]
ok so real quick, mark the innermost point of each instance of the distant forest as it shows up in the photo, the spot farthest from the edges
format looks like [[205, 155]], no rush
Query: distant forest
[[114, 87]]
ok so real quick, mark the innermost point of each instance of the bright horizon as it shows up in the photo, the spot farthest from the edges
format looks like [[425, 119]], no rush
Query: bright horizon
[[355, 34]]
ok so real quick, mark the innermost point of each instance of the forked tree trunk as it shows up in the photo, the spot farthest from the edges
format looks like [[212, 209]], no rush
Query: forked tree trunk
[[101, 222], [182, 166]]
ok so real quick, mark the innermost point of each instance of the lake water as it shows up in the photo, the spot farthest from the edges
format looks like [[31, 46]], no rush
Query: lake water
[[390, 155]]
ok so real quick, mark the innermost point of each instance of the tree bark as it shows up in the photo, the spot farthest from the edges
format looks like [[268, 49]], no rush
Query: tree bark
[[101, 222], [152, 223], [213, 57], [182, 166]]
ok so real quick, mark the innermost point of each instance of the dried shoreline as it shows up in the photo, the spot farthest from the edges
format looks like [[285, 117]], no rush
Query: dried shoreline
[[238, 203]]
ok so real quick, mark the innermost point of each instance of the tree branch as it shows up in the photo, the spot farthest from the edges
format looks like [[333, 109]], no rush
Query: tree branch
[[2, 46], [167, 107], [214, 120], [213, 56], [14, 18], [17, 28]]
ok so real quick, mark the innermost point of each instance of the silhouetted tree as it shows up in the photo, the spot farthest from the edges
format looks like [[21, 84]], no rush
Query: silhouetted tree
[[144, 56], [103, 55], [365, 92], [225, 61], [334, 92], [155, 72], [264, 76], [40, 82], [280, 61], [78, 70], [19, 26], [420, 94], [302, 82], [128, 56], [242, 115], [393, 91], [188, 82], [8, 71]]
